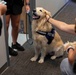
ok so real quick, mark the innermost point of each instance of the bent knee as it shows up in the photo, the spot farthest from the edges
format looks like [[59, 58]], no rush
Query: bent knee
[[63, 65]]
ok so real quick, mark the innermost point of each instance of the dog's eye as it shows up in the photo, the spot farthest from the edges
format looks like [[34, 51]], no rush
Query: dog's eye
[[41, 10]]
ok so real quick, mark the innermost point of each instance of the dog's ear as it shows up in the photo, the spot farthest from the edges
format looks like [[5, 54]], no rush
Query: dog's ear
[[47, 13]]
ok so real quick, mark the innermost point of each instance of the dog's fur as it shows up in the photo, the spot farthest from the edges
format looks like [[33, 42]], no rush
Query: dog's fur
[[68, 44], [40, 42]]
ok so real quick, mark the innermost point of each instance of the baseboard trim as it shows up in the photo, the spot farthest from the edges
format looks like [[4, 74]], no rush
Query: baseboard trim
[[60, 10], [3, 68]]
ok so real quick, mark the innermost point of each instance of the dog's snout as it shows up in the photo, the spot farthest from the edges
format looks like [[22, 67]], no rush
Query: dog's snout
[[34, 10]]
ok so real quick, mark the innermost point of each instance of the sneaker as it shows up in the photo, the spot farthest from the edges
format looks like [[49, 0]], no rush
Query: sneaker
[[18, 47], [12, 52]]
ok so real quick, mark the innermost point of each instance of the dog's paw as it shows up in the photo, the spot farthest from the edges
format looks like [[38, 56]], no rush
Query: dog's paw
[[53, 57], [41, 61], [33, 59]]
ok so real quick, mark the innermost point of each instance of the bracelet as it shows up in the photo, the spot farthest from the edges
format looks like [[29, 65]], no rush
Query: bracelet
[[27, 3]]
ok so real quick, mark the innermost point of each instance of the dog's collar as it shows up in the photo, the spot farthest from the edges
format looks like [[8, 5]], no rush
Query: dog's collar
[[49, 35]]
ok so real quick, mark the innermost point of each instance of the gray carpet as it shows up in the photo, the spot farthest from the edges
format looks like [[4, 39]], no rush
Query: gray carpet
[[68, 15], [21, 65]]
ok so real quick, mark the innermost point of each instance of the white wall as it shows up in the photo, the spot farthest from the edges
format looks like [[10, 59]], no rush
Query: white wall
[[51, 5], [3, 56]]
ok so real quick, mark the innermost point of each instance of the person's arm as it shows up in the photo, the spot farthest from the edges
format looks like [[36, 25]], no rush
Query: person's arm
[[27, 5], [3, 9], [27, 1], [71, 56], [70, 28]]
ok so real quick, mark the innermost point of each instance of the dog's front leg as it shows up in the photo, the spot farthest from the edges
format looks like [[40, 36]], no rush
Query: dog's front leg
[[37, 52], [43, 54]]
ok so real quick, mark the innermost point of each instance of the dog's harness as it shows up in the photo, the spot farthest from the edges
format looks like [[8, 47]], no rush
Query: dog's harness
[[49, 35]]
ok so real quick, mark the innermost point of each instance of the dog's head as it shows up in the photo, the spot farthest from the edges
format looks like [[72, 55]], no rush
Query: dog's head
[[39, 20], [40, 13]]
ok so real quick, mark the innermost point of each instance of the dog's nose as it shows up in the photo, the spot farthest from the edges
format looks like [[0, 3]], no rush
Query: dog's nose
[[34, 10]]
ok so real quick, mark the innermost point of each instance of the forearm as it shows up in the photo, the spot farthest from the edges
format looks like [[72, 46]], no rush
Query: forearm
[[63, 26], [71, 56], [57, 23], [3, 9], [27, 1]]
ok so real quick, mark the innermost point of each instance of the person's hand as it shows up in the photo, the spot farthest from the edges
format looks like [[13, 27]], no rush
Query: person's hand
[[27, 7], [47, 17]]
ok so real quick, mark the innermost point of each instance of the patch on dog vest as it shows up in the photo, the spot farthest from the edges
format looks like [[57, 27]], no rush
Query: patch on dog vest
[[49, 35]]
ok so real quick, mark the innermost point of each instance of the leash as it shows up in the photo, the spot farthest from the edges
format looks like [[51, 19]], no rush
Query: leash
[[28, 36]]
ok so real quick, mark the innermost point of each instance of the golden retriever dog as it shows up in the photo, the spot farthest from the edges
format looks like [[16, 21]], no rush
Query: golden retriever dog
[[45, 37]]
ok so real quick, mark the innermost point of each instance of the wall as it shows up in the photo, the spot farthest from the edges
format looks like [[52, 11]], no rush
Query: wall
[[3, 55], [51, 5]]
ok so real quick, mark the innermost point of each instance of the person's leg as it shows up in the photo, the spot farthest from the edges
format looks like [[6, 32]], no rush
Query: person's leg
[[11, 51], [66, 68], [7, 21], [15, 27], [15, 19]]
